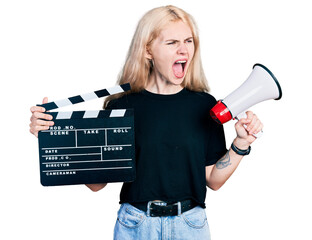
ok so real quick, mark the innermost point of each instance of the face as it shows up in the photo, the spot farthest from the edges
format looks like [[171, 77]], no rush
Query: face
[[171, 52]]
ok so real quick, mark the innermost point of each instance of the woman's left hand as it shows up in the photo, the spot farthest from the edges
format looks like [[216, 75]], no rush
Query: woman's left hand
[[245, 135]]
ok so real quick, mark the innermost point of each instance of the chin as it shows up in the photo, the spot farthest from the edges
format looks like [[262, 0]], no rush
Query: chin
[[177, 81]]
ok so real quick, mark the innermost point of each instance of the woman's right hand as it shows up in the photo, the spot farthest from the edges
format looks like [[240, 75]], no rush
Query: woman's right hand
[[39, 120]]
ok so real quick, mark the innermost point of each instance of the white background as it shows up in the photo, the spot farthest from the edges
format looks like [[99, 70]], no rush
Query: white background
[[64, 48]]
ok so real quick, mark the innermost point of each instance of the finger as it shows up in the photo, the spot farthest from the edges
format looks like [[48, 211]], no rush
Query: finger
[[45, 100], [259, 129], [37, 109], [254, 127], [250, 115], [241, 129], [40, 122], [253, 122], [42, 116], [38, 128], [35, 133], [35, 129], [244, 121]]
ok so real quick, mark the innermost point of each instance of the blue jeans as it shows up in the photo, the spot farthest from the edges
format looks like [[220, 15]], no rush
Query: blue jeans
[[134, 224]]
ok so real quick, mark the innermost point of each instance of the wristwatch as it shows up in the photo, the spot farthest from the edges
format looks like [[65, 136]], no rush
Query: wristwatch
[[240, 151]]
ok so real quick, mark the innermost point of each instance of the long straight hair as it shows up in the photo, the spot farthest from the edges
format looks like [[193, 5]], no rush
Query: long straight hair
[[137, 67]]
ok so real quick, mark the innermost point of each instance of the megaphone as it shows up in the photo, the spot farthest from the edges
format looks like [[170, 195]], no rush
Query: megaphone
[[261, 85]]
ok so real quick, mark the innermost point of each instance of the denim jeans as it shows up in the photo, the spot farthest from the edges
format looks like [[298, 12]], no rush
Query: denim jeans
[[134, 224]]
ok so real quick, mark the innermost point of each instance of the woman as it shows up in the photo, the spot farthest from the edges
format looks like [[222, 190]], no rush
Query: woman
[[179, 149]]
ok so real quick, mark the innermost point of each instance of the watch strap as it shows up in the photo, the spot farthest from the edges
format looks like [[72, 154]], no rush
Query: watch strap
[[240, 151]]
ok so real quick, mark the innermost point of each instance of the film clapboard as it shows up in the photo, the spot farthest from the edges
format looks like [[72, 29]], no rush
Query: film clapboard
[[86, 147]]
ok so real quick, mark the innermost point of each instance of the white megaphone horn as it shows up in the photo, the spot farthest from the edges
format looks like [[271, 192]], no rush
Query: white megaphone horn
[[261, 85]]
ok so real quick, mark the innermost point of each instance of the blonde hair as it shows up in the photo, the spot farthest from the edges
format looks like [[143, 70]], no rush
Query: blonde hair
[[137, 67]]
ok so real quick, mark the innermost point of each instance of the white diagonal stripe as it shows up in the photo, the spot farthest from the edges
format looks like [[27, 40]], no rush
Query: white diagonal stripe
[[91, 114], [63, 102], [117, 113], [115, 90], [89, 96], [64, 115]]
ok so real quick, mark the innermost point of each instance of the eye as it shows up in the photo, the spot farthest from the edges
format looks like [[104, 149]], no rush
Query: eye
[[171, 42], [189, 41]]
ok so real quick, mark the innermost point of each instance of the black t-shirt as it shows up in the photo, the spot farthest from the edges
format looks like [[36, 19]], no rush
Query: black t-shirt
[[175, 138]]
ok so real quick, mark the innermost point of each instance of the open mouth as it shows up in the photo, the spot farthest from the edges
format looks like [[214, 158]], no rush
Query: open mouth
[[179, 67]]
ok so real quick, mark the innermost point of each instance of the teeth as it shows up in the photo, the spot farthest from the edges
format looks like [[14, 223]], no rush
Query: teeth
[[181, 61]]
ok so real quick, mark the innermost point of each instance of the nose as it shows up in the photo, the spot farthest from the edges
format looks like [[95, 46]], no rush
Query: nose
[[182, 49]]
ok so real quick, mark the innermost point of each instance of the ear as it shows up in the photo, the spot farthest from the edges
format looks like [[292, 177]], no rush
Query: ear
[[148, 53]]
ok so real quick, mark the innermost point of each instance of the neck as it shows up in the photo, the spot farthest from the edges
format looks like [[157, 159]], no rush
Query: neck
[[159, 85]]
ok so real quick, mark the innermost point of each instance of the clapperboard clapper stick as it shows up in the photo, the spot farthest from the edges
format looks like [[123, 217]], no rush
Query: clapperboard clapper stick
[[85, 147]]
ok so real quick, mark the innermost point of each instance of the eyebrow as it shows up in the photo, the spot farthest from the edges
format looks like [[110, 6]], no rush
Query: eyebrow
[[174, 40]]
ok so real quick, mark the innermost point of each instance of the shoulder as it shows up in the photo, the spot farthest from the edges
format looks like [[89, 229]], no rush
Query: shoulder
[[202, 98], [125, 101]]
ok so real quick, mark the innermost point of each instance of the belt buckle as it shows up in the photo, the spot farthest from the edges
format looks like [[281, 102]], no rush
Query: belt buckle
[[161, 204], [155, 202]]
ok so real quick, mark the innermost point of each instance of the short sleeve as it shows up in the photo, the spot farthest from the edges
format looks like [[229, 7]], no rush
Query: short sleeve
[[216, 145]]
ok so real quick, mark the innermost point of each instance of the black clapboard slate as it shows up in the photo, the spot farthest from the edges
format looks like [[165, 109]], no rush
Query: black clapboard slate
[[88, 150], [85, 147]]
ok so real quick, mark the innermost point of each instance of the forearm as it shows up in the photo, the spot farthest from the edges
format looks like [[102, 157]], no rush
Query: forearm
[[219, 173], [96, 187], [223, 169]]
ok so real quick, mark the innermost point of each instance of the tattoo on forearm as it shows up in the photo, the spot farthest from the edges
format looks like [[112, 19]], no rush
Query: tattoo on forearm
[[224, 162]]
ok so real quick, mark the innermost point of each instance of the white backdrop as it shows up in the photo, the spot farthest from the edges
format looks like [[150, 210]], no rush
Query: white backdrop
[[62, 48]]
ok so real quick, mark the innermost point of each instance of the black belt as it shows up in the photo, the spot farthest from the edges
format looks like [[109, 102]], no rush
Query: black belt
[[163, 209]]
